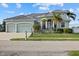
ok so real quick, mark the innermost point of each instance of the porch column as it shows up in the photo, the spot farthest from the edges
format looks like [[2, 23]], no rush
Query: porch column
[[41, 24], [58, 25], [53, 24], [46, 24], [15, 27]]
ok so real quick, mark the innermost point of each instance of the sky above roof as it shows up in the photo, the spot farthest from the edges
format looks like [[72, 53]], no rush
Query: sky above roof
[[14, 9]]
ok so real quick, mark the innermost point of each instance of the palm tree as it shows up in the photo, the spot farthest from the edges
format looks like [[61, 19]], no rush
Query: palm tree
[[71, 15], [56, 18]]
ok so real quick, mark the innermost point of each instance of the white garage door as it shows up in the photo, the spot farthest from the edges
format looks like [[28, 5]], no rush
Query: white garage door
[[10, 27], [23, 27]]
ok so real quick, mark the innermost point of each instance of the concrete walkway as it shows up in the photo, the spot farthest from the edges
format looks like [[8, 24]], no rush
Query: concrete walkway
[[8, 36], [38, 47]]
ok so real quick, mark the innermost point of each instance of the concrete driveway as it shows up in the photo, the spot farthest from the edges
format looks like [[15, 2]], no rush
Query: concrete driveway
[[8, 36]]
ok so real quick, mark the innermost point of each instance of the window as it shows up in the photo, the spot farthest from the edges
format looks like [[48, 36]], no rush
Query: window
[[62, 24]]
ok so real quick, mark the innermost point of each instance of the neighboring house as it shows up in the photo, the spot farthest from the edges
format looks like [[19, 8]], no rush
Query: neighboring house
[[75, 29], [24, 23]]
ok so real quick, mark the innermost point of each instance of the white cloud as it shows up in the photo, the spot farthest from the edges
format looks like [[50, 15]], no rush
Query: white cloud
[[10, 11], [74, 10], [57, 4], [61, 4], [4, 5], [18, 5], [45, 6], [21, 13], [41, 6], [64, 9], [71, 10], [48, 4], [77, 9]]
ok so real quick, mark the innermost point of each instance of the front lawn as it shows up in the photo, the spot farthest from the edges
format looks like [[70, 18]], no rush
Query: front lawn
[[50, 37], [54, 36], [73, 53]]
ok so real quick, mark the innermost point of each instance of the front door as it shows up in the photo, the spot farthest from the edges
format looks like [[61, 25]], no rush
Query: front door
[[49, 24], [43, 26]]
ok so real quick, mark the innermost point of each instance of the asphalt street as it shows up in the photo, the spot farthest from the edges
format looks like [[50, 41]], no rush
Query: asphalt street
[[37, 48]]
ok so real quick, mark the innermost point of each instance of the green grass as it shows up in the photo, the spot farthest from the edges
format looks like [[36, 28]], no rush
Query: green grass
[[17, 39], [73, 53], [54, 36], [50, 37]]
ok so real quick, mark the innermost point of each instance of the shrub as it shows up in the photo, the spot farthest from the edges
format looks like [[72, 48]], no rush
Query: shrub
[[36, 27], [64, 30], [60, 30], [67, 30]]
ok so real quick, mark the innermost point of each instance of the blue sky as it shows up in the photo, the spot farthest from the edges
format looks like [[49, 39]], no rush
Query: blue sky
[[13, 9]]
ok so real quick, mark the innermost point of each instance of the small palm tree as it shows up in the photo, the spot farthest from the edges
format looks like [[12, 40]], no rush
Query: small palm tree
[[36, 26]]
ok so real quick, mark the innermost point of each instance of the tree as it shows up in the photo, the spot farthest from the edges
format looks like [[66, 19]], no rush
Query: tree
[[71, 14], [1, 28], [4, 26], [56, 18], [36, 26]]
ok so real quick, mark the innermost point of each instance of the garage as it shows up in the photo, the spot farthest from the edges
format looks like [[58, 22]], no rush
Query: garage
[[20, 24], [23, 27], [10, 27]]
